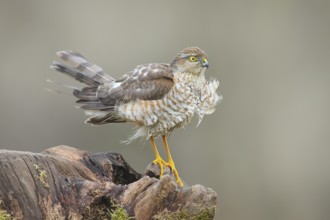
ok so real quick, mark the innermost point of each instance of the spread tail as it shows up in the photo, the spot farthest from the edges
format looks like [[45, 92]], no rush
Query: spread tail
[[93, 76]]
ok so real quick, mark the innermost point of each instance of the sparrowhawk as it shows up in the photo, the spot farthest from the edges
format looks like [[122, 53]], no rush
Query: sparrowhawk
[[156, 97]]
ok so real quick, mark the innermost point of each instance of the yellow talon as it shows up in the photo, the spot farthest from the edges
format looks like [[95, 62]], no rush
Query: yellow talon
[[161, 162], [174, 170], [171, 162]]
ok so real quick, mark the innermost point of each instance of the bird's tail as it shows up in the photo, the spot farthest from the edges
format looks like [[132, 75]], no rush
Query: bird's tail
[[93, 76], [85, 72], [81, 70]]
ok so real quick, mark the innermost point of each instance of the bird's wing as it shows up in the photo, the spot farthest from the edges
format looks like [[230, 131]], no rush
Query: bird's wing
[[145, 82]]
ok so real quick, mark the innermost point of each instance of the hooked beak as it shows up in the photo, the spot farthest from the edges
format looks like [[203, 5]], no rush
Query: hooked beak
[[205, 63]]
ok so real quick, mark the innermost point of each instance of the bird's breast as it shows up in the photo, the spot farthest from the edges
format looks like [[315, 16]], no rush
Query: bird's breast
[[161, 116]]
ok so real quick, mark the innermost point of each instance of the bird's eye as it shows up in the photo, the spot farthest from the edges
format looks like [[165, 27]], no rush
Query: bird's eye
[[193, 58]]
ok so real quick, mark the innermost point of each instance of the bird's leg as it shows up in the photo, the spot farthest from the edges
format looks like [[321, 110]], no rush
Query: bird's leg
[[159, 160], [171, 162]]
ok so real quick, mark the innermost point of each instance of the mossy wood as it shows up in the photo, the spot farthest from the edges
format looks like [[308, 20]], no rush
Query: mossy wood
[[67, 183]]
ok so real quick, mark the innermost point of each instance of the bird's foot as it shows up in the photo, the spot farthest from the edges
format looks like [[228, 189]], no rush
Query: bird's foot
[[160, 163], [171, 165]]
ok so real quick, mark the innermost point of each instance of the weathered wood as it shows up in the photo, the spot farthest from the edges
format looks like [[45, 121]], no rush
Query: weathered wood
[[67, 183]]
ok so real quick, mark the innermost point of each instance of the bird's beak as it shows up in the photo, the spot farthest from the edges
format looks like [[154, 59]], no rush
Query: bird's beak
[[205, 63]]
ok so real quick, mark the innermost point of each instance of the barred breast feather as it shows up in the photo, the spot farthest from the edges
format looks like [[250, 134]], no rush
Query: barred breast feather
[[176, 109]]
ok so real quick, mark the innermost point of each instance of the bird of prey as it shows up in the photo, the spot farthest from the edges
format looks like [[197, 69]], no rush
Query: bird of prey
[[156, 97]]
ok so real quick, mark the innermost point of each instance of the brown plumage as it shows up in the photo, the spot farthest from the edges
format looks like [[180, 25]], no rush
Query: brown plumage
[[157, 97]]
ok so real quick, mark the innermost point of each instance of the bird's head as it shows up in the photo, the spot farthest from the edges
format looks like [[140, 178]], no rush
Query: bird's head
[[190, 60]]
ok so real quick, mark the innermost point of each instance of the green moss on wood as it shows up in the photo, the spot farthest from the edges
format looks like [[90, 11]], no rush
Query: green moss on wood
[[118, 213], [42, 175], [203, 214], [4, 215], [110, 210]]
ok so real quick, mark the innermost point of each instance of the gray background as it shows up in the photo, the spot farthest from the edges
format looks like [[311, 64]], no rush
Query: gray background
[[266, 149]]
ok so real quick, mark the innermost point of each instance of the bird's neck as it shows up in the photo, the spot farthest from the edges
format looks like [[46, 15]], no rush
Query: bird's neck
[[195, 81]]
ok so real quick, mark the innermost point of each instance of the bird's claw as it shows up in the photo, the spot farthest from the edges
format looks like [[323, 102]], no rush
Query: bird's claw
[[174, 170], [170, 164], [160, 163]]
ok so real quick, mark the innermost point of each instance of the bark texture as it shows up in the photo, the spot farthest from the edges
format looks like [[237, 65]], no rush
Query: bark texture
[[66, 183]]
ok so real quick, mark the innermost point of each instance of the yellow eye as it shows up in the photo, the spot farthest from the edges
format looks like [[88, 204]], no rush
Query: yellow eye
[[193, 58]]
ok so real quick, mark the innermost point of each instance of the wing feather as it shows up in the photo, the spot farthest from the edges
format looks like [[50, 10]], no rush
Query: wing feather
[[145, 82]]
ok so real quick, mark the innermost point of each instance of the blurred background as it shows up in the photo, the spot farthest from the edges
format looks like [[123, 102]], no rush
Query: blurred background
[[265, 150]]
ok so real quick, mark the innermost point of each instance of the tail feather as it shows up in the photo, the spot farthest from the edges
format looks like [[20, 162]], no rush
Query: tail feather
[[75, 74], [86, 94], [89, 100], [96, 106], [99, 118], [93, 76], [79, 63]]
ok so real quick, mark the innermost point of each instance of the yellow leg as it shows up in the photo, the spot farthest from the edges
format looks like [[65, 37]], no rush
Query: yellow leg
[[159, 160], [171, 162]]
